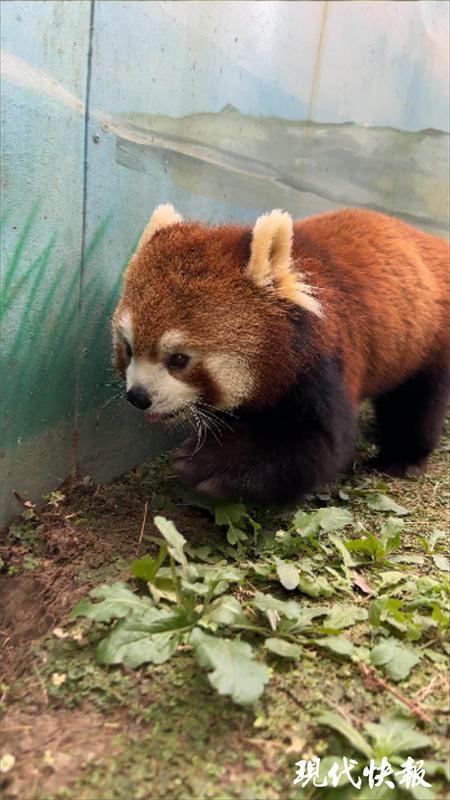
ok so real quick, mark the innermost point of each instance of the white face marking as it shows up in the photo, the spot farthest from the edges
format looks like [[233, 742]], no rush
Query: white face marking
[[124, 326], [167, 394], [170, 394], [231, 373], [170, 341]]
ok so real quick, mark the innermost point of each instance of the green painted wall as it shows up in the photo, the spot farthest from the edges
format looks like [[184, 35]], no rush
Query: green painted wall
[[62, 410], [226, 109]]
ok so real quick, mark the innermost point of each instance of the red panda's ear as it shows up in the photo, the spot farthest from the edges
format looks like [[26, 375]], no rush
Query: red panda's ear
[[162, 216], [270, 264], [270, 255]]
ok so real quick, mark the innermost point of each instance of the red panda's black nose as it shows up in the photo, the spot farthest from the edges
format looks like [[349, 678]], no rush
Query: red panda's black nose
[[139, 397]]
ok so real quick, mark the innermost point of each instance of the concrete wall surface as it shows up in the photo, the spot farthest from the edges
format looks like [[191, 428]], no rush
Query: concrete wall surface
[[227, 109]]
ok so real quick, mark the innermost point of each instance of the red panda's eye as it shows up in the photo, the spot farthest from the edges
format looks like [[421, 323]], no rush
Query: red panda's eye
[[178, 361], [128, 349]]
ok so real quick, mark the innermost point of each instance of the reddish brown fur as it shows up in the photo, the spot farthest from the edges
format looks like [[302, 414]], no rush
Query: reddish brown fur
[[294, 372], [383, 285], [201, 288], [385, 292]]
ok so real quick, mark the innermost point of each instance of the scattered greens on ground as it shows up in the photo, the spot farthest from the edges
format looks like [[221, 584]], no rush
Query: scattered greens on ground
[[224, 612]]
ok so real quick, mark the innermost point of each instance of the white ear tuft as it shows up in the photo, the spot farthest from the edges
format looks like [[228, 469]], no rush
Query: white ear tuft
[[162, 217], [270, 255], [270, 262]]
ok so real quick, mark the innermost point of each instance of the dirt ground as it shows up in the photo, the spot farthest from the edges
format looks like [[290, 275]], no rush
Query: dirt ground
[[74, 729]]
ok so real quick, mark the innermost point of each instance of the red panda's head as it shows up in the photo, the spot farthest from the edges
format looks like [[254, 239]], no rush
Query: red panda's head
[[205, 315]]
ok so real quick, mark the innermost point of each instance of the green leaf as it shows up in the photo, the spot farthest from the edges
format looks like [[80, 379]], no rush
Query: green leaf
[[263, 570], [440, 618], [421, 792], [376, 609], [395, 734], [146, 568], [170, 620], [330, 518], [195, 587], [437, 768], [390, 610], [226, 610], [429, 585], [390, 578], [143, 568], [220, 573], [282, 648], [163, 588], [381, 502], [342, 550], [308, 615], [287, 608], [235, 534], [315, 587], [396, 659], [343, 616], [408, 559], [288, 574], [130, 643], [361, 653], [390, 534], [234, 670], [232, 537], [117, 601], [333, 518], [339, 724], [441, 562], [339, 645], [227, 513], [369, 544], [234, 515], [174, 539], [435, 537], [306, 524]]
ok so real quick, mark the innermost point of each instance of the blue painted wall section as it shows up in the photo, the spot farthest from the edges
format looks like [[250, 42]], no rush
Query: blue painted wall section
[[225, 108]]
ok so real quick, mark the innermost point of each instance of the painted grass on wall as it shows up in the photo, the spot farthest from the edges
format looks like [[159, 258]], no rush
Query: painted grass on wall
[[57, 356]]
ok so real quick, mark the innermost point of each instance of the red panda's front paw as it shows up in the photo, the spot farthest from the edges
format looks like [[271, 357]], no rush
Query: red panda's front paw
[[201, 469], [214, 488]]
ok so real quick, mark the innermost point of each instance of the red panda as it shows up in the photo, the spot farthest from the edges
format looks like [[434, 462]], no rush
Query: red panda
[[271, 337]]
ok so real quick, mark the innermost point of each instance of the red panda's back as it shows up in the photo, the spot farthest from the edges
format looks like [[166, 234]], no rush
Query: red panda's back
[[385, 291]]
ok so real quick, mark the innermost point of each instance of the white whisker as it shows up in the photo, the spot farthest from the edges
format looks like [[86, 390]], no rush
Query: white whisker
[[218, 410], [210, 427], [200, 431], [214, 418]]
